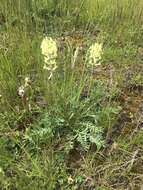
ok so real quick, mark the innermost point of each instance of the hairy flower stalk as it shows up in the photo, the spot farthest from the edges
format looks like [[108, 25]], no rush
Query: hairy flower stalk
[[49, 51], [94, 54], [75, 55]]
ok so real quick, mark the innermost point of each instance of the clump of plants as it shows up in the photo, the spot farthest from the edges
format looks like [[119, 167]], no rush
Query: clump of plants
[[76, 108]]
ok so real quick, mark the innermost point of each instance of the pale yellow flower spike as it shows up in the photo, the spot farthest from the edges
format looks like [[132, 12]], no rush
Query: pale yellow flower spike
[[49, 50], [94, 54]]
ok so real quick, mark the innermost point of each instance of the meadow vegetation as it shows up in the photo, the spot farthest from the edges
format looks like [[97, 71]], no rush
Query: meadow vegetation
[[71, 91]]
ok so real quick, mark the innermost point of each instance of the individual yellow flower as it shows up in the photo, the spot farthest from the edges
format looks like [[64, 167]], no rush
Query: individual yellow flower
[[50, 67]]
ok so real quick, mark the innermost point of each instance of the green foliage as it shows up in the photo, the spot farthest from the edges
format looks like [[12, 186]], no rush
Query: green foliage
[[89, 134], [82, 121], [39, 15]]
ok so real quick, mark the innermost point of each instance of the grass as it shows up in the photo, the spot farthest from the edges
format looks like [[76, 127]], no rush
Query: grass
[[83, 128]]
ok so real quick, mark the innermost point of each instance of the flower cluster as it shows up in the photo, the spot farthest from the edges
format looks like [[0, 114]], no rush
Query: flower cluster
[[49, 51], [21, 91], [22, 88], [94, 54]]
